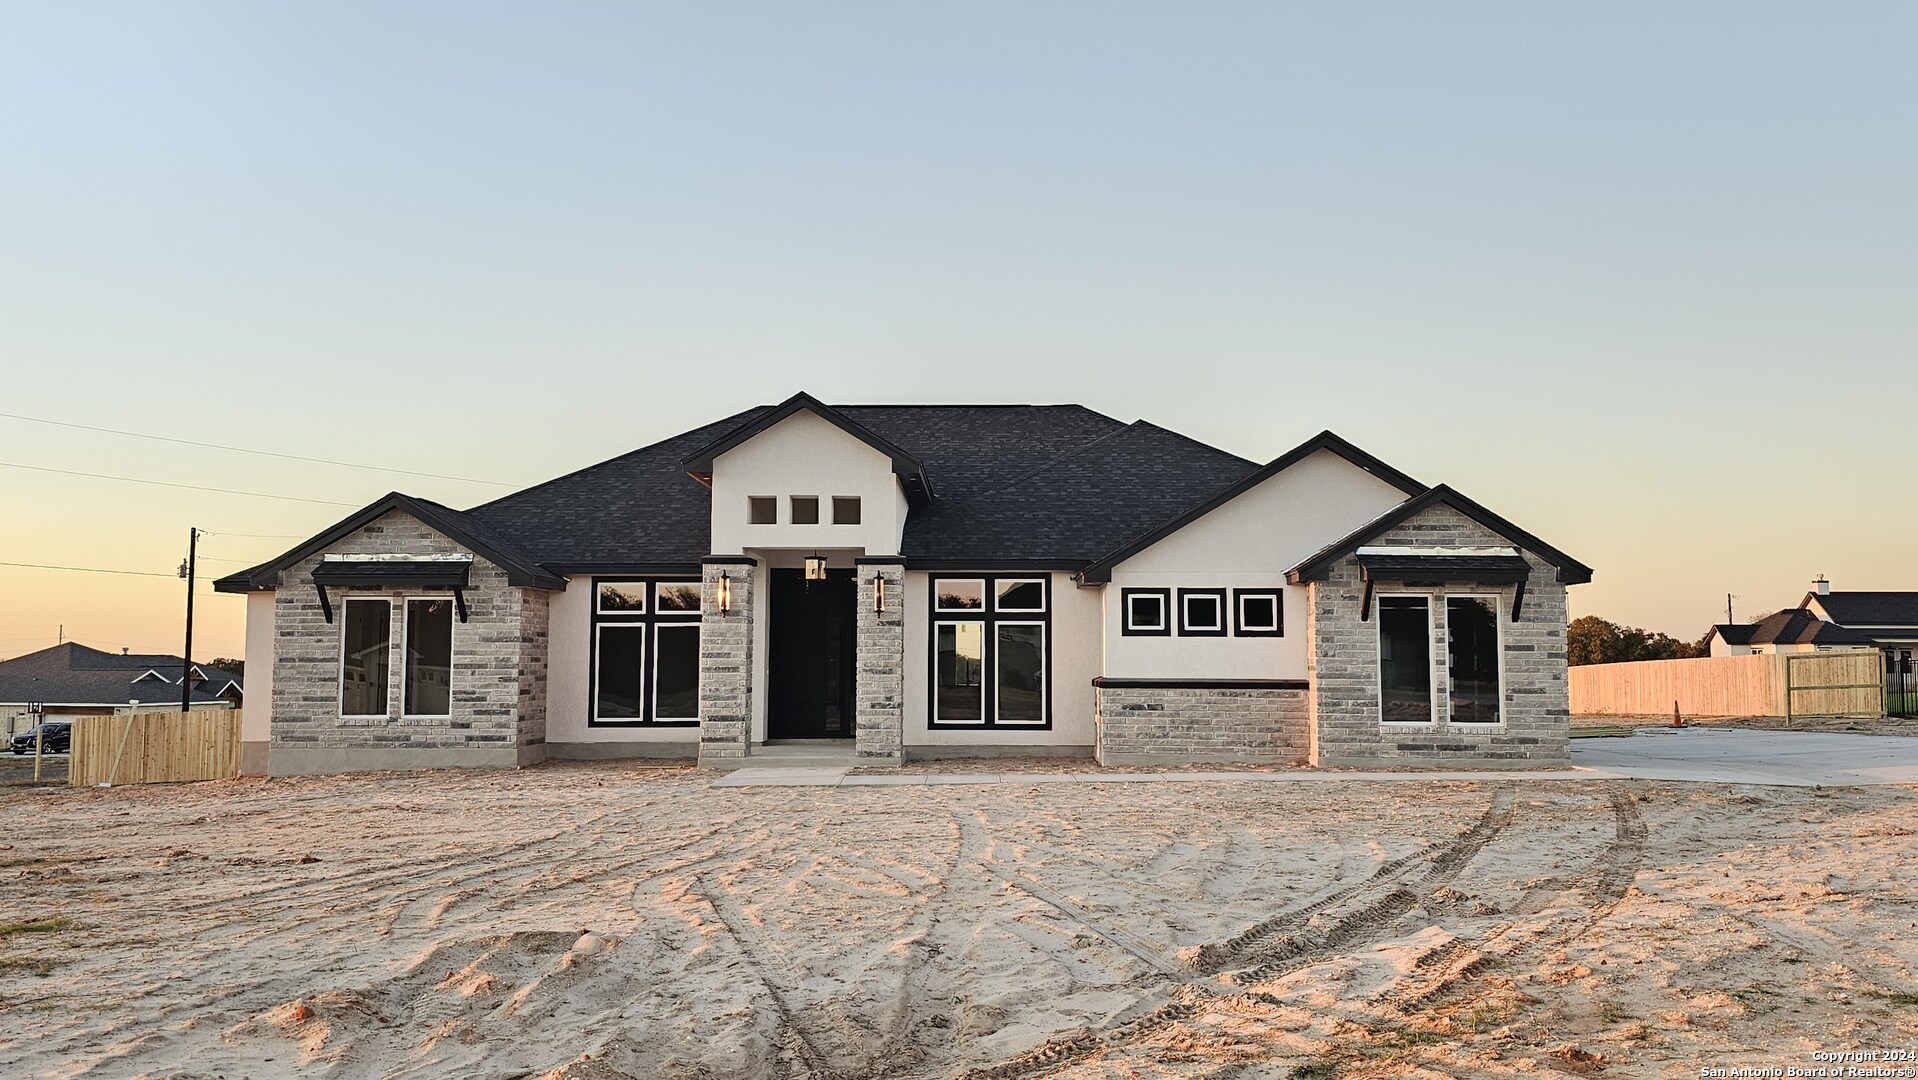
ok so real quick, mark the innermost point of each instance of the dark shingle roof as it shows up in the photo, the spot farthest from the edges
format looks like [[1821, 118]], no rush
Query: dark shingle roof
[[1793, 626], [1869, 608], [73, 674]]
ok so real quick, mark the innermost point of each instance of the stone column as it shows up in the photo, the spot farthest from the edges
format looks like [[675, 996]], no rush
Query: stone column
[[880, 682], [725, 660]]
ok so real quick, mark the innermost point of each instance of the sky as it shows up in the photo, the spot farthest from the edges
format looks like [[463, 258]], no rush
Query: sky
[[1640, 277]]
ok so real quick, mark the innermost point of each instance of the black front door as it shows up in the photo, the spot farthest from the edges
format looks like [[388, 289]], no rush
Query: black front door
[[810, 656]]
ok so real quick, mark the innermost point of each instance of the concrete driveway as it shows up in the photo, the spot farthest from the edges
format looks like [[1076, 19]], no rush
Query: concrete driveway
[[1800, 759]]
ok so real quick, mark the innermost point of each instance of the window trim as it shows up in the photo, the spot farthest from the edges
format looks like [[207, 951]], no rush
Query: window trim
[[792, 509], [1127, 629], [753, 500], [1225, 623], [989, 618], [452, 650], [651, 618], [1498, 629], [340, 702], [1240, 596], [1431, 674], [858, 509]]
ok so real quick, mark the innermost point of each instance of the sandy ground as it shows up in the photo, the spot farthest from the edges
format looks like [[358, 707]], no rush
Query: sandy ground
[[599, 922]]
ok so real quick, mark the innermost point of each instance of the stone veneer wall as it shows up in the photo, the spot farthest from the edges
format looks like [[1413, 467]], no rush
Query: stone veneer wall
[[726, 664], [1158, 725], [880, 664], [498, 681], [1344, 664]]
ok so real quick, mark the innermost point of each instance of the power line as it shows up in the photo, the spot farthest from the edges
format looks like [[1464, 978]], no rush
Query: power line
[[256, 536], [165, 483], [250, 450], [90, 569]]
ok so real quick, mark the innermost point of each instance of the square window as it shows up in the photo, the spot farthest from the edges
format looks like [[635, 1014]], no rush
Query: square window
[[1258, 613], [762, 510], [959, 594], [1202, 612], [1020, 594], [1146, 612], [845, 509], [805, 509], [622, 597]]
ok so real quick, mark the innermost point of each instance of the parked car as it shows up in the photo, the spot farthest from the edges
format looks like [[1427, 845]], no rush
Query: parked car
[[58, 736]]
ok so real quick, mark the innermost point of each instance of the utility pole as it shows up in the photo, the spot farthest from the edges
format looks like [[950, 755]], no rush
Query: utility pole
[[187, 569], [1728, 608]]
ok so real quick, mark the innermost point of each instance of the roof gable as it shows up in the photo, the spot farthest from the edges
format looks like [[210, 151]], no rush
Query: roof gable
[[910, 470], [476, 535], [1854, 608], [1570, 570], [1100, 572]]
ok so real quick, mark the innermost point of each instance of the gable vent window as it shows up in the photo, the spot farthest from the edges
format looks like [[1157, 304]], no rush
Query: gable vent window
[[805, 509], [762, 510], [845, 510], [1202, 612], [1257, 613], [1147, 612]]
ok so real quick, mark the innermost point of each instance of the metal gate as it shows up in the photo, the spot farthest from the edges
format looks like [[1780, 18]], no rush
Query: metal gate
[[1901, 684]]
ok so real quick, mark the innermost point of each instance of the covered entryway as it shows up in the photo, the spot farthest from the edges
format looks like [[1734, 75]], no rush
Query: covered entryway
[[810, 656]]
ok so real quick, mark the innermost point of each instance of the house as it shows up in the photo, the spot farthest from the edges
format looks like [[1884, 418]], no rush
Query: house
[[919, 581], [71, 679], [1826, 620]]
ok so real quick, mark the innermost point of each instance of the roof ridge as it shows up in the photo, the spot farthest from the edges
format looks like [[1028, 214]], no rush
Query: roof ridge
[[616, 457]]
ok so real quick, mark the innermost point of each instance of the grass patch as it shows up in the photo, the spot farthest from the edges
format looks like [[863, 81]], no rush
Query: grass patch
[[1611, 1012], [37, 966], [46, 925], [1316, 1070]]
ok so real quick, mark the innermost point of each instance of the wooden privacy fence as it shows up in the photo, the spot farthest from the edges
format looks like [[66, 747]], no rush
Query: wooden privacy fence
[[160, 748], [1793, 684]]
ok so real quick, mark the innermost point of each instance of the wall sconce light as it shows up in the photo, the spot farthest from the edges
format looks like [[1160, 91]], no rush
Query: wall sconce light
[[815, 567], [725, 593], [878, 593]]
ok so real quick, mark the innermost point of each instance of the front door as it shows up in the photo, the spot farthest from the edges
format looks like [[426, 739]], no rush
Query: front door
[[810, 656]]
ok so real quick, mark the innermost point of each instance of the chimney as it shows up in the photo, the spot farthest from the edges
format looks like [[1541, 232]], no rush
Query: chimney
[[125, 649], [1821, 586]]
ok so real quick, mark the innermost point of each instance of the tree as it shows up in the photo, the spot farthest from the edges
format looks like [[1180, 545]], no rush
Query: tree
[[1593, 640], [227, 663]]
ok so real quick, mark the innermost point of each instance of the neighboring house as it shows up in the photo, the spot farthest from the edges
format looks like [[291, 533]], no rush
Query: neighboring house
[[74, 680], [1889, 619], [919, 581], [1793, 630]]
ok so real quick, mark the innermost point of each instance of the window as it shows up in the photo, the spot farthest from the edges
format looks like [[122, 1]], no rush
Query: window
[[1472, 647], [762, 510], [1202, 612], [1146, 612], [845, 509], [805, 509], [366, 630], [428, 678], [1405, 660], [646, 653], [991, 663], [1258, 613]]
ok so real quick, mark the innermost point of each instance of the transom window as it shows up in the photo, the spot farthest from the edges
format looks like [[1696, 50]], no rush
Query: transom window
[[1146, 612], [1202, 613], [991, 661], [645, 653]]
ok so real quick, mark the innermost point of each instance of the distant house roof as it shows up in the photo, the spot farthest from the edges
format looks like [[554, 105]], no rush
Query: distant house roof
[[73, 674], [1793, 626], [1868, 609]]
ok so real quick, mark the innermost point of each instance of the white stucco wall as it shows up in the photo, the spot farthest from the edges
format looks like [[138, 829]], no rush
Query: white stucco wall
[[256, 723], [804, 455], [1249, 542], [569, 676], [1075, 663]]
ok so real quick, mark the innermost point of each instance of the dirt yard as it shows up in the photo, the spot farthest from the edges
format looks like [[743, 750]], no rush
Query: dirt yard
[[600, 922]]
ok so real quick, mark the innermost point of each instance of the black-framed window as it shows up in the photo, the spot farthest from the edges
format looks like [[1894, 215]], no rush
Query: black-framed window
[[1145, 612], [645, 652], [1202, 613], [1258, 613], [991, 651]]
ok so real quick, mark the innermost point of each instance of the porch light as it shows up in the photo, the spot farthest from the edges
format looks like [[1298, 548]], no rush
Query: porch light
[[724, 592], [878, 593], [815, 567]]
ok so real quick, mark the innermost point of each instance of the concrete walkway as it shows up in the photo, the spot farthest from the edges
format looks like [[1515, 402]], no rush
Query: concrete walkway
[[1701, 755]]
